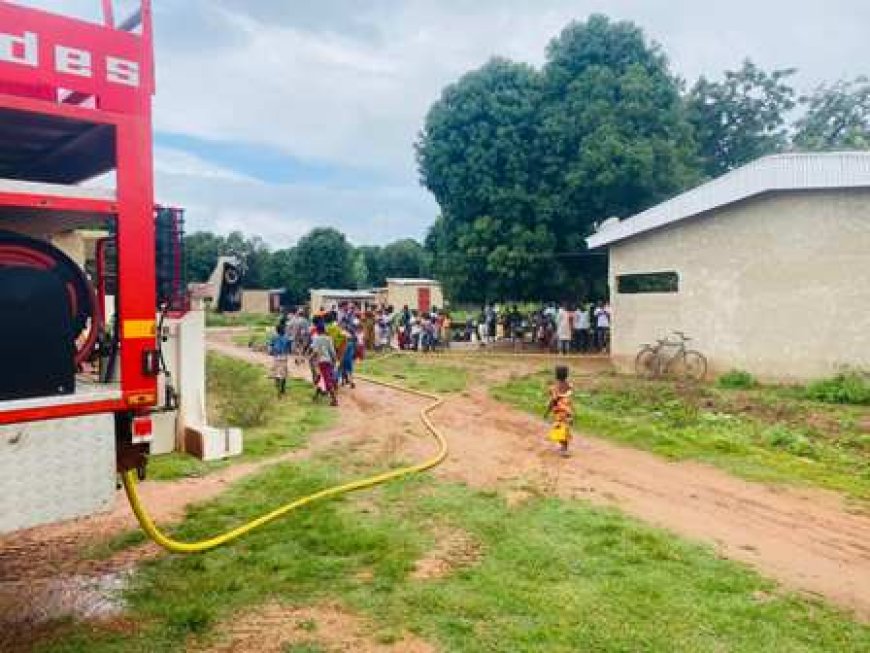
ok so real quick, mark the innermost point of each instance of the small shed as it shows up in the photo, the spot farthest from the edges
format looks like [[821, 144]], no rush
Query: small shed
[[328, 298], [263, 301], [766, 268], [416, 294]]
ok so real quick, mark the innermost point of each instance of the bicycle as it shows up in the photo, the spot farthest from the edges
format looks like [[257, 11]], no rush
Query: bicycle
[[655, 361]]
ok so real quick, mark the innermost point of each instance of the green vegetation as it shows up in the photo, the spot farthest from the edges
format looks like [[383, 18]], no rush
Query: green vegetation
[[548, 575], [241, 395], [740, 118], [213, 319], [837, 117], [768, 434], [586, 122], [323, 258], [844, 388], [416, 371], [737, 379], [240, 392]]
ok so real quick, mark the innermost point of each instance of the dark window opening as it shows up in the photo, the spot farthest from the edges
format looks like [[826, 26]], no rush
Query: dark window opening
[[653, 282]]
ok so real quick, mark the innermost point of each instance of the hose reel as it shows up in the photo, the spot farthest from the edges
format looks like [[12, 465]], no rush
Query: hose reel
[[17, 250]]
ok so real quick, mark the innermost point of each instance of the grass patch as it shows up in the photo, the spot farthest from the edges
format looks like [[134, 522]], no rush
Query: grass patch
[[213, 319], [556, 576], [175, 465], [241, 395], [766, 434], [844, 388], [419, 372], [737, 379]]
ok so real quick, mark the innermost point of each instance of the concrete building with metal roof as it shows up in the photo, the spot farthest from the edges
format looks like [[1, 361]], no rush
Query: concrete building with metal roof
[[767, 268]]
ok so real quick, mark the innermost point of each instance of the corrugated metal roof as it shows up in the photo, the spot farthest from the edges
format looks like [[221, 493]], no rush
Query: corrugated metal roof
[[780, 172], [414, 282], [333, 293]]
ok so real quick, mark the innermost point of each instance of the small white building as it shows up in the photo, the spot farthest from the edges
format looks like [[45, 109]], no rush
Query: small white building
[[416, 294], [325, 299], [767, 268]]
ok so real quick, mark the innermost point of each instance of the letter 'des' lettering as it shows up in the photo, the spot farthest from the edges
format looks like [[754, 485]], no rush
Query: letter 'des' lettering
[[23, 50], [72, 61], [122, 71]]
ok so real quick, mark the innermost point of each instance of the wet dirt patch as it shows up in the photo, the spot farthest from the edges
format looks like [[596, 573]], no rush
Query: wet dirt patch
[[32, 610]]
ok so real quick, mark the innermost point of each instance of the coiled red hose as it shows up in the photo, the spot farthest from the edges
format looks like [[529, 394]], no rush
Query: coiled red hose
[[17, 250]]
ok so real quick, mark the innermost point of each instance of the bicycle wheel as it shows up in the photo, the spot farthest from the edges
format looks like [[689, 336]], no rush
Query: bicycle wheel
[[646, 363], [694, 365]]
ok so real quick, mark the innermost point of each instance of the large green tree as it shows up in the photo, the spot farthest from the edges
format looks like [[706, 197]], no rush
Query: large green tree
[[281, 273], [837, 117], [374, 266], [613, 140], [323, 259], [524, 163], [403, 258], [476, 155], [741, 117]]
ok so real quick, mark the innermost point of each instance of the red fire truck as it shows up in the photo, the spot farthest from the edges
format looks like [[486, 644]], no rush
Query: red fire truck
[[79, 357]]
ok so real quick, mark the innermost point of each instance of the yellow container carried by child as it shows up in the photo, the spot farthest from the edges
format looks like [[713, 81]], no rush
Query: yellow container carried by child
[[559, 432]]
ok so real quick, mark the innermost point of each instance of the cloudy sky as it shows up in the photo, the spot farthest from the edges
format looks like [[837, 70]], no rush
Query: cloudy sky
[[275, 116]]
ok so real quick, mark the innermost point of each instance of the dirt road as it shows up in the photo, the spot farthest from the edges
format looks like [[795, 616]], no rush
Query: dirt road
[[807, 540]]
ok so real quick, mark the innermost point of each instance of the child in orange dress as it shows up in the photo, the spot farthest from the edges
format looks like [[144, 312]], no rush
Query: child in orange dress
[[561, 407]]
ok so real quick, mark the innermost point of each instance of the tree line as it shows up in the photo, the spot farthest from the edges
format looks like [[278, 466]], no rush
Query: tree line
[[323, 258], [525, 162]]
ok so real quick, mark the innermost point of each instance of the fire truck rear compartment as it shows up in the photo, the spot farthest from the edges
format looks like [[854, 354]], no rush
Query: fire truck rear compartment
[[43, 159]]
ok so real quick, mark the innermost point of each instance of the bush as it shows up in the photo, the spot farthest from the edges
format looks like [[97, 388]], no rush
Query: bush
[[737, 379], [240, 391], [781, 437], [844, 388]]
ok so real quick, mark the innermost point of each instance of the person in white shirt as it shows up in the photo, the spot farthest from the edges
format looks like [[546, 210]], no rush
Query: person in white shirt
[[581, 328], [602, 327], [563, 329]]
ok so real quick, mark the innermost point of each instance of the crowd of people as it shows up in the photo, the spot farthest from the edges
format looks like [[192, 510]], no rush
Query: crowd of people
[[564, 328], [330, 342], [333, 340]]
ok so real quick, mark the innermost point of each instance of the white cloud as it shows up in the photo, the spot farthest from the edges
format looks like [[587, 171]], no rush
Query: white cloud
[[221, 200], [171, 161], [340, 97]]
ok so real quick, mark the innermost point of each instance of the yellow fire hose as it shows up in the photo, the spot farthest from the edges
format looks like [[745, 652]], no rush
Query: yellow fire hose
[[148, 525]]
